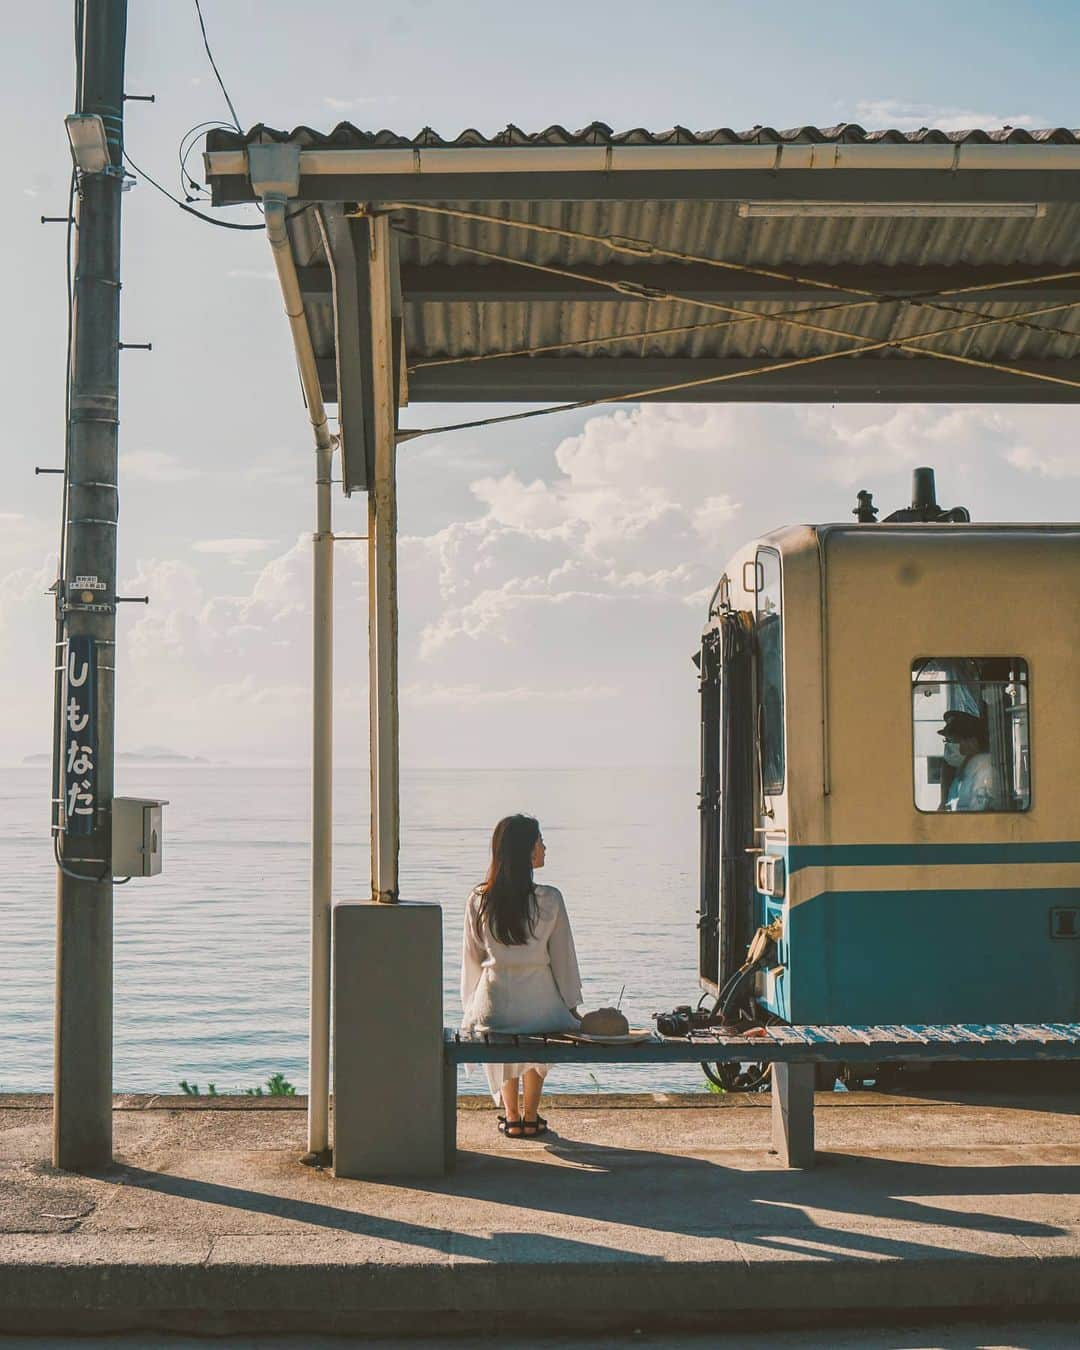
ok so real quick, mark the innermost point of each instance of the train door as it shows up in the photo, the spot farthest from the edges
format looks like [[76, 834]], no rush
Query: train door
[[770, 806], [726, 796]]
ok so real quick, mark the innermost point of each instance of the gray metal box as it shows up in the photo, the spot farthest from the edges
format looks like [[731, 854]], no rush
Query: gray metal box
[[388, 1051], [136, 836]]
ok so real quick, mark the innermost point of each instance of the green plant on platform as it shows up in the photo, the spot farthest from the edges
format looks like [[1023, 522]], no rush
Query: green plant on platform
[[277, 1085], [710, 1086], [193, 1089]]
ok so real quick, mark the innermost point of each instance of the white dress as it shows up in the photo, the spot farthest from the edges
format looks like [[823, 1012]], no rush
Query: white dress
[[527, 989]]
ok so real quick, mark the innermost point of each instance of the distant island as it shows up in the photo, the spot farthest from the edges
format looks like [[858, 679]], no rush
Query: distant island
[[148, 754]]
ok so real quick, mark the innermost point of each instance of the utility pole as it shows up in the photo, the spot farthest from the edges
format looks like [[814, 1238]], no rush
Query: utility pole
[[84, 731]]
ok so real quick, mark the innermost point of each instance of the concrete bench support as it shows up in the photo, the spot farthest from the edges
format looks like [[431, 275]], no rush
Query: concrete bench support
[[793, 1113], [450, 1091], [389, 1089]]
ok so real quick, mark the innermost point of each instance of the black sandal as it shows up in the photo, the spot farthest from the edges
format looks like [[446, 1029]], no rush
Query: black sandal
[[513, 1129], [537, 1126]]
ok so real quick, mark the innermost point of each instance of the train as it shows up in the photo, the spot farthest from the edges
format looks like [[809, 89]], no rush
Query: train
[[890, 821]]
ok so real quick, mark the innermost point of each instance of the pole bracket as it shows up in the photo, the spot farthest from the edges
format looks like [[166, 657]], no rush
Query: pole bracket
[[76, 607]]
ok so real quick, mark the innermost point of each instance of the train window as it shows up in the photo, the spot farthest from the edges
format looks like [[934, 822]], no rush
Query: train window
[[970, 733], [770, 644]]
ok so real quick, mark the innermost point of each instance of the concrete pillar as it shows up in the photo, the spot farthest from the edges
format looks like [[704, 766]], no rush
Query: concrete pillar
[[793, 1113], [388, 1057]]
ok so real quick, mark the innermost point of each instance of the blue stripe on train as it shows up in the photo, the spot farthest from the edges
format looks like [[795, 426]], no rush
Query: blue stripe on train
[[927, 855], [929, 956]]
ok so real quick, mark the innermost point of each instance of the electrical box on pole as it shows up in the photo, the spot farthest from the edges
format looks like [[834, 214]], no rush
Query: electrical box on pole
[[136, 836]]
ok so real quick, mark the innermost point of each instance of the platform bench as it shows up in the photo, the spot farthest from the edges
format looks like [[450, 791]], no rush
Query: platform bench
[[793, 1051]]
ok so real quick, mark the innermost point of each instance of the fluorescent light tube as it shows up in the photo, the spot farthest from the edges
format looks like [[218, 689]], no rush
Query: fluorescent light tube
[[86, 132], [862, 210]]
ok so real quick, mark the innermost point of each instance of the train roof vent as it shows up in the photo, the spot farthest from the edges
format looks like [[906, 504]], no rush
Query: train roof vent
[[924, 505]]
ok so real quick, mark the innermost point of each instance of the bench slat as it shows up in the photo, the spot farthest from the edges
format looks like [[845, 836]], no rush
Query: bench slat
[[783, 1044], [1058, 1031]]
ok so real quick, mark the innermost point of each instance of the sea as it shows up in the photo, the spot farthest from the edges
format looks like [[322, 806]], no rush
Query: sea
[[211, 957]]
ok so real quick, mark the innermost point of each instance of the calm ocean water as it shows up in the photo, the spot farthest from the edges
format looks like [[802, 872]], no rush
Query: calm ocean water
[[211, 956]]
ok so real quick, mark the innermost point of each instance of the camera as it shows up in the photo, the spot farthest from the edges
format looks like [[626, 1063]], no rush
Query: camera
[[681, 1021]]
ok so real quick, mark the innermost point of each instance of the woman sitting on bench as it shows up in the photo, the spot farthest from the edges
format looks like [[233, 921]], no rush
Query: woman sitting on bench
[[519, 970]]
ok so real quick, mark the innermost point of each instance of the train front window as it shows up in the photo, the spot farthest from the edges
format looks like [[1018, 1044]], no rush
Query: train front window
[[770, 645], [970, 733]]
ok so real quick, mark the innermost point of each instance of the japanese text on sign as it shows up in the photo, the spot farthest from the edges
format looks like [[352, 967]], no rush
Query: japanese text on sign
[[80, 736]]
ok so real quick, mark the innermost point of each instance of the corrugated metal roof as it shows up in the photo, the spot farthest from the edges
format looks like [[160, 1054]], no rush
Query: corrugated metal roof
[[347, 136], [463, 327], [473, 290]]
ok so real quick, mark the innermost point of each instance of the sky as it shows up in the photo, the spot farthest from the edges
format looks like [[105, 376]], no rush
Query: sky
[[554, 574]]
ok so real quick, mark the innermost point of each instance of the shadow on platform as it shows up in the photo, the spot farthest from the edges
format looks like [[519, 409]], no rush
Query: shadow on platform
[[848, 1206]]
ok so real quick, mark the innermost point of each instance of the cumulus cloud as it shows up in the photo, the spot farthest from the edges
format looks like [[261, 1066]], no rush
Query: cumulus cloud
[[157, 466], [341, 105], [472, 694], [23, 537], [225, 664], [863, 439], [885, 113], [547, 614], [1044, 444], [592, 573], [232, 548]]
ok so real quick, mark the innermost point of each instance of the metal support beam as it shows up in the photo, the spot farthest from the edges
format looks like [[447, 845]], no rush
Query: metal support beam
[[345, 241], [322, 802], [382, 573], [82, 1102], [468, 284], [844, 380], [275, 188], [630, 185]]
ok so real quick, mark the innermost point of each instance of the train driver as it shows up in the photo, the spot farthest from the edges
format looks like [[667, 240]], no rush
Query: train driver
[[974, 785]]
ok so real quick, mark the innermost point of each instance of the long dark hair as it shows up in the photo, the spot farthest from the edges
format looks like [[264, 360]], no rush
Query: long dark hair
[[507, 894]]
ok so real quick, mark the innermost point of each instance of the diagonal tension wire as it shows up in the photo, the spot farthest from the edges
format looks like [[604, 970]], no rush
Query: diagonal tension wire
[[636, 395], [638, 248], [642, 248], [633, 290], [684, 329], [744, 315]]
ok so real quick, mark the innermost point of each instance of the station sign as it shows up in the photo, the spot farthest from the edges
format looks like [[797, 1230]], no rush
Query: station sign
[[80, 736]]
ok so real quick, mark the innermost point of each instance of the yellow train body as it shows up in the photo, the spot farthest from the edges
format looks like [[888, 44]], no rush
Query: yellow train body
[[895, 905]]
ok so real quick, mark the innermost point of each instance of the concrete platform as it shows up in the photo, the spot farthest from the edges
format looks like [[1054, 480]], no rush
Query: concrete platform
[[637, 1213]]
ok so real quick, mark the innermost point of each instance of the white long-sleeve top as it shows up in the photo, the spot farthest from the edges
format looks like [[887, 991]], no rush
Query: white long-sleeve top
[[529, 988]]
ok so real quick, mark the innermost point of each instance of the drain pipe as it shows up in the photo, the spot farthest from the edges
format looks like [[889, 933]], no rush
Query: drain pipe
[[272, 185]]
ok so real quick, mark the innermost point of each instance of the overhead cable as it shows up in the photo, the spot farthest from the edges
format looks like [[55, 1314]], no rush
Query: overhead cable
[[213, 65], [221, 224]]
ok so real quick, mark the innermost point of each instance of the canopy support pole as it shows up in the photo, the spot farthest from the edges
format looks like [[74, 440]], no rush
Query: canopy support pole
[[275, 178], [322, 802], [382, 577]]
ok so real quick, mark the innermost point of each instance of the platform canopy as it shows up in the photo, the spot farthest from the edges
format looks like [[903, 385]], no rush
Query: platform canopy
[[809, 265]]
